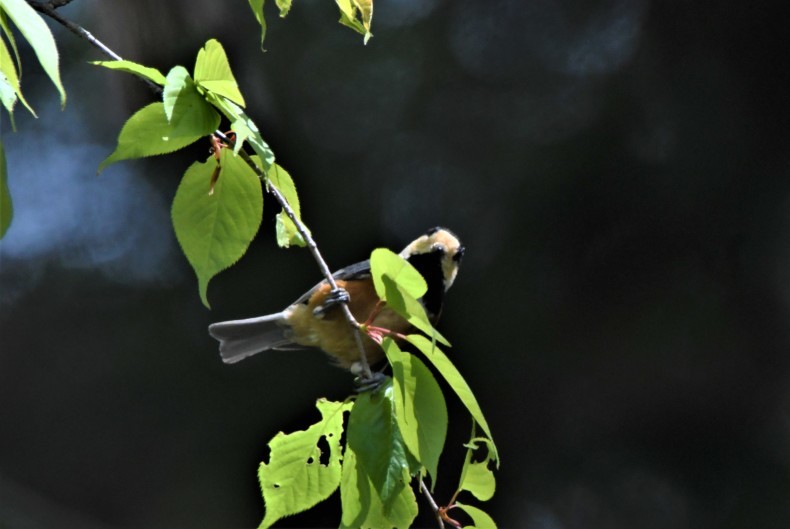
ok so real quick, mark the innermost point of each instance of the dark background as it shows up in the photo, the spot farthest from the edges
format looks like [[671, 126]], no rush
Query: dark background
[[618, 170]]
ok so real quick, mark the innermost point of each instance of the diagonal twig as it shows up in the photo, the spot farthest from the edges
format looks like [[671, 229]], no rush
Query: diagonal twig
[[49, 9]]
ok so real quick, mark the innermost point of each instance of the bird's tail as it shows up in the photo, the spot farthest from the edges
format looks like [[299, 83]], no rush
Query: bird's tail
[[239, 339]]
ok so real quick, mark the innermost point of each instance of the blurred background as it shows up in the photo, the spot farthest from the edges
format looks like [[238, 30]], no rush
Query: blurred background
[[619, 171]]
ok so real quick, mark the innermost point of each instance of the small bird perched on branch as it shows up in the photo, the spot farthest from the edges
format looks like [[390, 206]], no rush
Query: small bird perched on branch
[[315, 320]]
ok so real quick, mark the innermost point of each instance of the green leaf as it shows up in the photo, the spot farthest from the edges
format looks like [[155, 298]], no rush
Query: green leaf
[[480, 519], [420, 408], [245, 129], [10, 36], [284, 6], [257, 10], [374, 437], [365, 8], [215, 229], [184, 106], [37, 33], [387, 262], [146, 72], [348, 16], [148, 132], [287, 234], [476, 477], [212, 72], [362, 508], [9, 81], [399, 284], [295, 479], [453, 377], [479, 480], [6, 207]]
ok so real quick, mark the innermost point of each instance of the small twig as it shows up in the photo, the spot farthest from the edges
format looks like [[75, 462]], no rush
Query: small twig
[[48, 8], [319, 259], [433, 503]]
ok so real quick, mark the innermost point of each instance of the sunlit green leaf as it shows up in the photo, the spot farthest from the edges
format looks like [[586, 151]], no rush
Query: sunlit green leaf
[[212, 72], [374, 437], [9, 82], [348, 16], [362, 508], [148, 132], [6, 207], [37, 33], [453, 377], [257, 10], [287, 234], [420, 408], [399, 284], [480, 519], [6, 27], [387, 262], [295, 478], [215, 228], [366, 16], [284, 6], [479, 480], [184, 106], [146, 72]]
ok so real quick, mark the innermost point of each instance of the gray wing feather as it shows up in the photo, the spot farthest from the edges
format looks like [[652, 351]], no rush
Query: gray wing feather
[[239, 339]]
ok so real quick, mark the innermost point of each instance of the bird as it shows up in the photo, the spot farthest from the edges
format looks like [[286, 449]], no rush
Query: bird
[[315, 319]]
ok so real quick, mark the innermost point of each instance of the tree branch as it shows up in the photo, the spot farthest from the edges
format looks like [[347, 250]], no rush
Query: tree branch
[[49, 9], [432, 502]]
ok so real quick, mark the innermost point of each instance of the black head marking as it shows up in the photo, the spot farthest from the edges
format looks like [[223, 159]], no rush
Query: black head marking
[[433, 230], [459, 254]]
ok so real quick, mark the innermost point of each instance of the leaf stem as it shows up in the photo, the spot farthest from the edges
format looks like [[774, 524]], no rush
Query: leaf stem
[[48, 8]]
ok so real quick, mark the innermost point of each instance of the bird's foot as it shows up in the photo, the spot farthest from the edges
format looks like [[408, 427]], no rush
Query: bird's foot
[[335, 297], [372, 383]]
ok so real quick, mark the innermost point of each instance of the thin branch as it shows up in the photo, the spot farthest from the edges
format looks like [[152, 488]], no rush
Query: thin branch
[[433, 503], [48, 8], [313, 247]]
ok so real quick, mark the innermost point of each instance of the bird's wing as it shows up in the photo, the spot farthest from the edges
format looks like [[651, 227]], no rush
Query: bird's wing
[[358, 270]]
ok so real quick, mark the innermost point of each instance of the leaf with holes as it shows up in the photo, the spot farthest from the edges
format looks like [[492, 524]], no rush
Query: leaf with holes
[[477, 478], [296, 477], [215, 228]]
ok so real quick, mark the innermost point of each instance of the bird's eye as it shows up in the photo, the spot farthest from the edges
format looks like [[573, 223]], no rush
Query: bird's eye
[[459, 254], [439, 248]]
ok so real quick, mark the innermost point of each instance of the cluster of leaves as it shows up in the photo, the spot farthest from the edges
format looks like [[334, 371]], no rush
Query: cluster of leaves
[[218, 206], [355, 14], [394, 435], [36, 32]]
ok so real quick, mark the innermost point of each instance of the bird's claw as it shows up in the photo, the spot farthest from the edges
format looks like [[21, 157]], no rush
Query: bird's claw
[[335, 297], [363, 384]]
